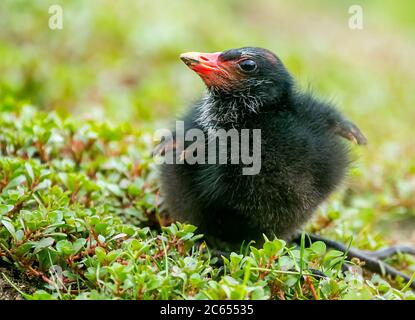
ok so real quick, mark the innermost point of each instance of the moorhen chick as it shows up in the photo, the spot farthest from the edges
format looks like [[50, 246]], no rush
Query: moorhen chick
[[302, 157]]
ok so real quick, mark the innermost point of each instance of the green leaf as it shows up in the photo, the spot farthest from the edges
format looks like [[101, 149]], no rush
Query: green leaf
[[30, 174], [44, 243], [9, 226], [319, 248], [274, 248], [5, 208], [100, 253], [78, 245], [41, 295], [101, 228], [286, 263], [65, 247]]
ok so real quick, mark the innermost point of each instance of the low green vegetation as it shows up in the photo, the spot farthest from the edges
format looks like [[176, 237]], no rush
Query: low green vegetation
[[78, 217]]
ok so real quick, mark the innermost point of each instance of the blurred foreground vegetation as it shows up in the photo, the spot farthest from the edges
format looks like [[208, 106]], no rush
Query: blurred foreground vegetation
[[76, 171]]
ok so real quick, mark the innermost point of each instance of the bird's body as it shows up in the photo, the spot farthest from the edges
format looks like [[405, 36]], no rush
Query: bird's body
[[302, 159]]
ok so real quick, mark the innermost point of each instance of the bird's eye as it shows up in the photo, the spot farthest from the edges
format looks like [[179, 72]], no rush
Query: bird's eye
[[247, 65]]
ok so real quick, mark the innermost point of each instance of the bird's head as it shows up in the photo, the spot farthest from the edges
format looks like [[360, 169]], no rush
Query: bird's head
[[244, 72]]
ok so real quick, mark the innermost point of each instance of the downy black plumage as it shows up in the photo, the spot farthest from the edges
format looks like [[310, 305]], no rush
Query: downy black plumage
[[303, 157]]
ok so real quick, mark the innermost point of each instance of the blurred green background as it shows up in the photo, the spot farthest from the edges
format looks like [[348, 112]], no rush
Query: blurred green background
[[118, 60]]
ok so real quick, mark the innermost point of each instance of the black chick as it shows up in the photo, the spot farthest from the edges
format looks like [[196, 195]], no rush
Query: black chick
[[302, 156]]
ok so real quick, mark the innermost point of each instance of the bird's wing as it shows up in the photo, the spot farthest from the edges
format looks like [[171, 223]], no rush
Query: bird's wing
[[350, 131]]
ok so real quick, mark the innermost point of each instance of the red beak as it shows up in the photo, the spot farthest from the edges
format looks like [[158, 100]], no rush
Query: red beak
[[202, 63]]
